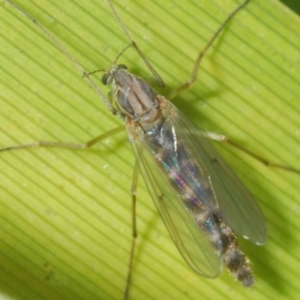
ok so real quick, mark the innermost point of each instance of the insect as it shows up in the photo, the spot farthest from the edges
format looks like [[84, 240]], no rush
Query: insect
[[210, 220]]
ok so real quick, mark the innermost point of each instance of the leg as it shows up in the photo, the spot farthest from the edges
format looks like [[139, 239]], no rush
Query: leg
[[66, 145], [134, 44], [67, 54], [134, 228], [222, 138], [187, 84]]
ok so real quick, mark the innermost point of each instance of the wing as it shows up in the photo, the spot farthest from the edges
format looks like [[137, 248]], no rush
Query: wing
[[236, 204], [191, 241], [187, 178]]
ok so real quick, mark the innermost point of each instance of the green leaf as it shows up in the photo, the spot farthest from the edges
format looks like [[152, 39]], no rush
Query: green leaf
[[66, 215]]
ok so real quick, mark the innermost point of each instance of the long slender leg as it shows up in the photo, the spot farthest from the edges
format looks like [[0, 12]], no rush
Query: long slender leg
[[188, 84], [134, 228], [66, 145], [66, 53], [135, 45], [214, 136], [222, 138]]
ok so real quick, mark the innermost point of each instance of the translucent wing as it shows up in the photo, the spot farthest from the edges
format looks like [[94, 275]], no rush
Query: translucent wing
[[236, 204], [192, 242], [191, 186]]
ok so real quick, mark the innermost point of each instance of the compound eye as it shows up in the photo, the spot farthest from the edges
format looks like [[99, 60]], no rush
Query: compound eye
[[104, 79], [121, 66]]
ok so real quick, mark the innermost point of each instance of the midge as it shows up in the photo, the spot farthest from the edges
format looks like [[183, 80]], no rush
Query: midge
[[201, 201]]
